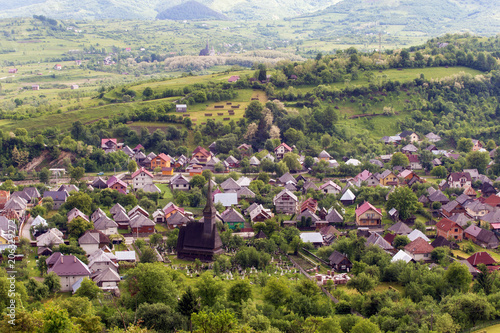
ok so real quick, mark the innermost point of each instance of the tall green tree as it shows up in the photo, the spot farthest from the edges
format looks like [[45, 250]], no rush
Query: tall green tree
[[404, 200]]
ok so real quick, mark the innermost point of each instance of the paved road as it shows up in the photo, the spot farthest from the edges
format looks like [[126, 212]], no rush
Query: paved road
[[25, 231]]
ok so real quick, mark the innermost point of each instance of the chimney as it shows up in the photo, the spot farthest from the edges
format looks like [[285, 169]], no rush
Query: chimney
[[74, 258], [62, 258]]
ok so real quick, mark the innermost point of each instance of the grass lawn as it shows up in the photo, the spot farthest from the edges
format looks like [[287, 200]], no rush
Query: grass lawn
[[160, 228], [119, 247], [167, 194], [491, 329], [477, 248], [383, 286]]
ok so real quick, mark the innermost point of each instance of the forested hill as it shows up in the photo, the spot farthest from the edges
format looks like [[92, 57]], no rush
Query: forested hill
[[190, 10], [432, 17]]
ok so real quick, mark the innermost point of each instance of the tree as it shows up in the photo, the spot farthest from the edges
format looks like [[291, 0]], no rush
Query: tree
[[281, 168], [208, 289], [155, 239], [152, 283], [41, 264], [38, 210], [262, 72], [439, 172], [48, 203], [132, 166], [147, 92], [77, 173], [400, 241], [55, 319], [484, 280], [240, 291], [80, 200], [276, 292], [399, 159], [197, 181], [88, 289], [292, 161], [478, 160], [219, 322], [148, 255], [78, 226], [465, 145], [467, 309], [404, 200], [44, 175], [159, 316], [362, 283], [188, 304], [254, 111], [365, 325], [458, 277]]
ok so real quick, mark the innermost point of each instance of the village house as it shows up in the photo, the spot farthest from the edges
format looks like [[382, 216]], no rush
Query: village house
[[368, 216], [419, 250], [69, 269], [141, 178], [482, 237], [141, 225], [409, 136], [339, 262], [281, 150], [93, 240], [160, 161], [433, 137], [179, 182], [119, 185], [201, 154], [459, 179], [347, 198], [109, 145], [476, 145], [449, 230], [245, 149], [258, 213], [388, 178], [286, 202], [181, 108], [233, 218], [330, 188], [452, 208]]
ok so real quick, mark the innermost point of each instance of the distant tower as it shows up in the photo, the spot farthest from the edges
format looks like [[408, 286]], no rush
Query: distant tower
[[209, 212]]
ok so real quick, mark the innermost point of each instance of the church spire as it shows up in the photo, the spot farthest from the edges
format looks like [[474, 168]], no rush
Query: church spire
[[209, 211]]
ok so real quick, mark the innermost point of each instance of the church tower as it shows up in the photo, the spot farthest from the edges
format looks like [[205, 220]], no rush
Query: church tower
[[209, 212]]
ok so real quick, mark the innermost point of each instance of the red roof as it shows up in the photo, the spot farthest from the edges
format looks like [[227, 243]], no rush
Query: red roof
[[164, 157], [492, 200], [390, 238], [447, 224], [233, 78], [481, 258], [142, 170], [367, 206], [363, 175], [495, 226], [138, 147], [201, 150], [419, 246], [104, 141], [413, 158], [287, 147]]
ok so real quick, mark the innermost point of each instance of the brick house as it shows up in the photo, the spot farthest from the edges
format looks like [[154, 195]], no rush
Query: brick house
[[201, 154], [449, 230]]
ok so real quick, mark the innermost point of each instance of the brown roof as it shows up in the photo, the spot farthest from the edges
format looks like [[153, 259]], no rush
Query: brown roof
[[419, 246], [447, 224], [69, 266]]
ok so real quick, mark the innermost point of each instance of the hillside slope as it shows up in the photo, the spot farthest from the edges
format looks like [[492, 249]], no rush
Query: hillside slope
[[191, 10], [432, 17], [149, 9]]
